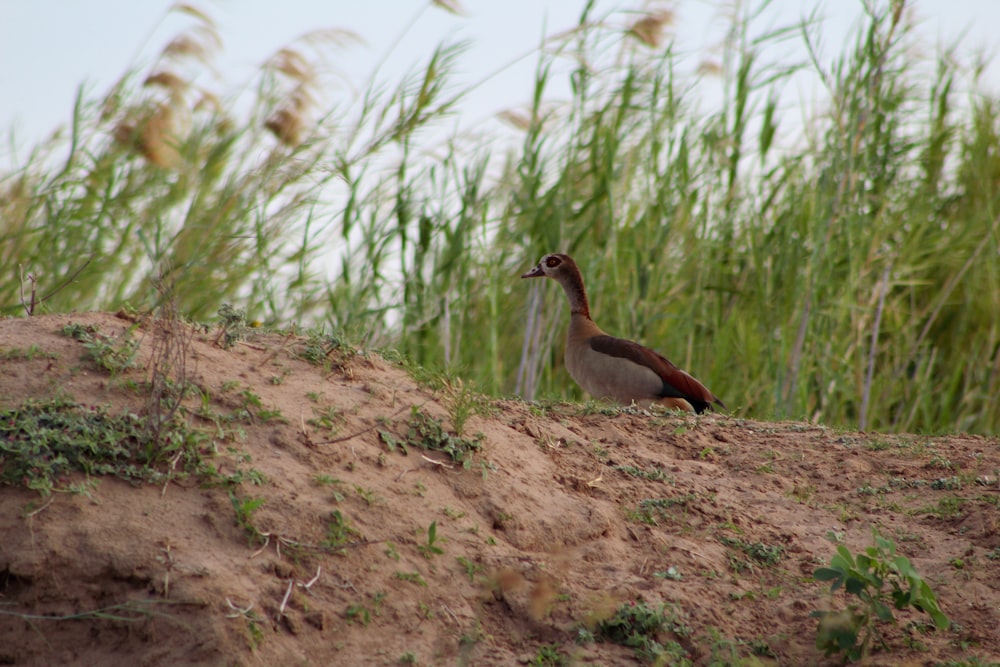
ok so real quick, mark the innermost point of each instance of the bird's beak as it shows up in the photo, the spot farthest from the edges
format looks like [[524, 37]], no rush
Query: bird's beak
[[534, 273]]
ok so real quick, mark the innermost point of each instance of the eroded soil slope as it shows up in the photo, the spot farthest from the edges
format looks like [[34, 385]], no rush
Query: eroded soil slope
[[312, 545]]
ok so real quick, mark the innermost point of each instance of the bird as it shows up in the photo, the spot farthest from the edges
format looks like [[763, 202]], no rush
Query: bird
[[613, 368]]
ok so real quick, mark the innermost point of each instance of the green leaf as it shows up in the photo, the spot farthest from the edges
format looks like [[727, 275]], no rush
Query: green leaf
[[846, 558], [854, 585], [882, 612], [902, 565], [827, 574]]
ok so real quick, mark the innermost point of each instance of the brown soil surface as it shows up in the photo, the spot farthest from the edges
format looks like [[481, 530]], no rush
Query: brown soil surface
[[540, 537]]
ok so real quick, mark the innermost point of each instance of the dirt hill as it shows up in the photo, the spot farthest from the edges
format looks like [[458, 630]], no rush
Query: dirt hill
[[353, 515]]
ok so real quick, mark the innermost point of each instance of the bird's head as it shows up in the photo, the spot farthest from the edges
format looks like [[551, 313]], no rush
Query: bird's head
[[552, 266]]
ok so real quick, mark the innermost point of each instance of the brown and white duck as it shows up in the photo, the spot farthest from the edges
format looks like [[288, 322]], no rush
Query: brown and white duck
[[614, 368]]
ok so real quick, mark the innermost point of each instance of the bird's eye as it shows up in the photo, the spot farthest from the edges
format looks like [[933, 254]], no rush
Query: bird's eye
[[552, 262]]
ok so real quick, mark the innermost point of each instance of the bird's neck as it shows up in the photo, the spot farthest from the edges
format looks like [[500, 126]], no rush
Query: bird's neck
[[572, 284]]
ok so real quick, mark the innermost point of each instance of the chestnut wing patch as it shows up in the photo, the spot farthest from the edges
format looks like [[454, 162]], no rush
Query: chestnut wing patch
[[676, 383]]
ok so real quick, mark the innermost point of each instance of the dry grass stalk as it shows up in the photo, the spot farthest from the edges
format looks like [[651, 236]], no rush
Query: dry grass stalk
[[451, 6], [709, 68], [208, 101], [292, 64], [650, 28], [200, 44], [191, 10], [168, 367], [516, 119], [340, 37], [288, 125], [291, 121], [155, 137], [166, 79]]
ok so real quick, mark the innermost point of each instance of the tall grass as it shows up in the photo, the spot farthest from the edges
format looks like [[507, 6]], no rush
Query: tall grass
[[849, 277]]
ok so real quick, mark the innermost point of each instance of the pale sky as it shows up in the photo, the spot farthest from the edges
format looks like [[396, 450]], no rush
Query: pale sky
[[49, 47]]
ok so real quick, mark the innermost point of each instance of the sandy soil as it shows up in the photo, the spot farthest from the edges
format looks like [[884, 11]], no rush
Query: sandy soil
[[545, 533]]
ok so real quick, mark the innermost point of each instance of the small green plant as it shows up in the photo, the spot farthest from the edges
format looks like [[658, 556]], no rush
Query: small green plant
[[881, 580], [947, 507], [430, 548], [360, 612], [761, 647], [329, 419], [232, 325], [463, 405], [953, 483], [241, 475], [319, 349], [245, 508], [412, 577], [427, 433], [654, 475], [757, 552], [280, 379], [368, 495], [802, 493], [325, 480], [471, 569], [33, 352], [339, 532], [670, 573], [549, 655], [942, 462], [114, 356], [275, 415], [639, 626], [652, 510]]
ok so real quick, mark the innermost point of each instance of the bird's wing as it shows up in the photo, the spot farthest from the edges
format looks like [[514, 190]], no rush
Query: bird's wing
[[676, 383]]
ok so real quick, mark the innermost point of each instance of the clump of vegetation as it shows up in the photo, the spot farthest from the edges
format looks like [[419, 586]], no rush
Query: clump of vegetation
[[432, 546], [882, 581], [757, 552], [114, 356], [653, 510], [33, 352], [339, 532], [42, 441], [657, 474], [549, 655], [361, 613], [641, 627], [245, 508], [426, 432], [232, 324], [319, 347]]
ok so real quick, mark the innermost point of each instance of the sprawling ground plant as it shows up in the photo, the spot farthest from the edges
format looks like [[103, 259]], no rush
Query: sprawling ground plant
[[838, 263]]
